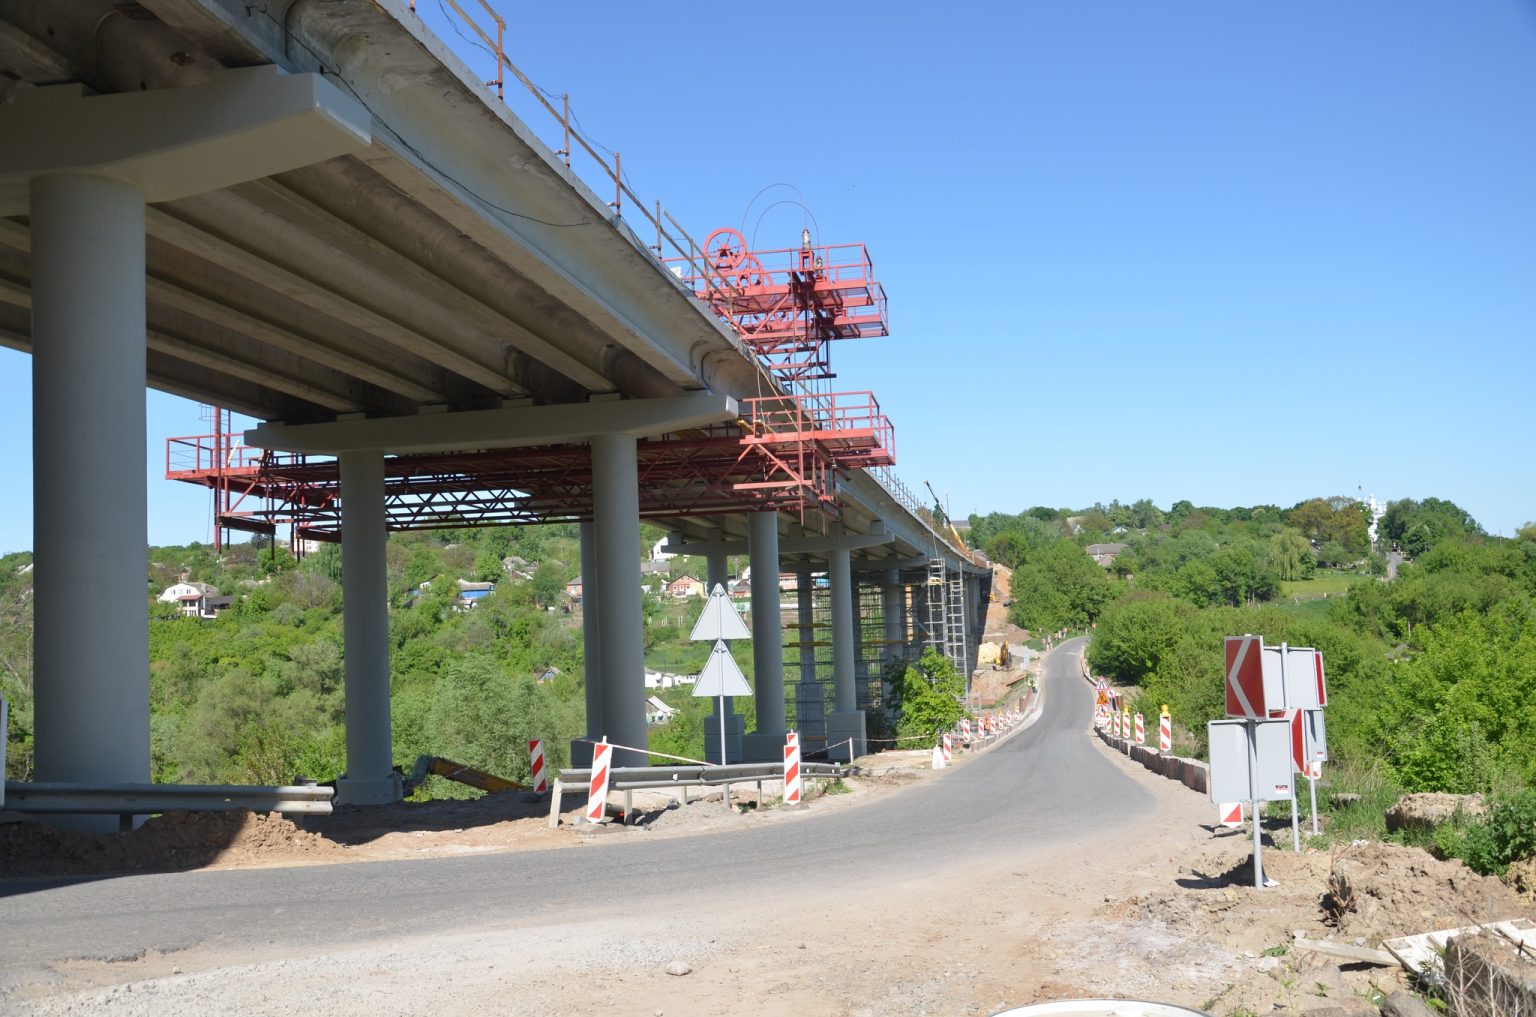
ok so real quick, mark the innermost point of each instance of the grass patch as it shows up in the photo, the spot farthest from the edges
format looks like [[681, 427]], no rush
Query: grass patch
[[1328, 582], [1315, 609], [1365, 818]]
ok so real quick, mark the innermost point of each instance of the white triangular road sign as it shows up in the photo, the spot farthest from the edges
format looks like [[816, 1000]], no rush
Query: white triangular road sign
[[719, 621], [721, 676]]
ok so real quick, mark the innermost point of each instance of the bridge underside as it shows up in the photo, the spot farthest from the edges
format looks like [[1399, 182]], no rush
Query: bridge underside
[[315, 215]]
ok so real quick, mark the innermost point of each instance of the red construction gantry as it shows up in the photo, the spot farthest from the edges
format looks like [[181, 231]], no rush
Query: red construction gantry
[[784, 454], [788, 305]]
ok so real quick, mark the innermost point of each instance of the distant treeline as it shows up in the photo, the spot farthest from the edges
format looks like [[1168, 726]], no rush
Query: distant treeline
[[1432, 674]]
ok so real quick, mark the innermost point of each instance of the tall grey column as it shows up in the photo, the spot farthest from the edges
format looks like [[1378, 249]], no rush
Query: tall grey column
[[90, 520], [860, 659], [846, 723], [717, 565], [616, 516], [838, 573], [370, 776], [767, 742], [890, 616], [591, 645], [805, 614]]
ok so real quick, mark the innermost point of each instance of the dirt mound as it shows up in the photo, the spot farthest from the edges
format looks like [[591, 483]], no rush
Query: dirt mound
[[1391, 890], [1427, 810], [168, 843]]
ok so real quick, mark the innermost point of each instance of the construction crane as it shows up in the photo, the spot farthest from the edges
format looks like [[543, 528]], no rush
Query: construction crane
[[943, 517]]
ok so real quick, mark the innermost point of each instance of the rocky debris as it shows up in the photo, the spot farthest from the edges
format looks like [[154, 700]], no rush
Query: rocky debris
[[1387, 890], [1522, 876], [1425, 811], [1404, 1004], [1485, 977]]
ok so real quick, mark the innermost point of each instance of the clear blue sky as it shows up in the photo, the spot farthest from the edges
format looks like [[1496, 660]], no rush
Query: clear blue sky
[[1235, 253]]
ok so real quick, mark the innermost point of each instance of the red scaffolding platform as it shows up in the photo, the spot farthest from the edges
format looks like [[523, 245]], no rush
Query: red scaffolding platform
[[788, 305], [783, 455]]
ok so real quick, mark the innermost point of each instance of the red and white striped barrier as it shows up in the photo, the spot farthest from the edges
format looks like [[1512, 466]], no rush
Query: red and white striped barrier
[[1230, 814], [1141, 731], [537, 777], [965, 730], [948, 749], [1165, 733], [597, 796], [1114, 723], [792, 782]]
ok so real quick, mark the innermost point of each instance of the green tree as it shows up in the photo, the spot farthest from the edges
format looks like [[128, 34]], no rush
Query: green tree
[[549, 582], [930, 697]]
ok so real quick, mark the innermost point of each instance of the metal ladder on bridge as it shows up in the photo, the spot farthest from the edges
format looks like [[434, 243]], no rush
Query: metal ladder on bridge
[[954, 624], [936, 590], [946, 613]]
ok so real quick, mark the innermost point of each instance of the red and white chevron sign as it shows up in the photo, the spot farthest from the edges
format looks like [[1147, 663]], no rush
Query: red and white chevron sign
[[537, 776], [1245, 678], [597, 797]]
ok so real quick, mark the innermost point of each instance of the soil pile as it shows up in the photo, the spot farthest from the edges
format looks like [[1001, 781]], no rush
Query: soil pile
[[172, 842]]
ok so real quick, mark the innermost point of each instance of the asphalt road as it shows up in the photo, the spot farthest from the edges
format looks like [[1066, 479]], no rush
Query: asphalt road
[[1031, 791]]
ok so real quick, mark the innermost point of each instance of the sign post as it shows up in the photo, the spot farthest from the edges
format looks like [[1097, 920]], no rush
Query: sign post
[[1250, 760], [717, 623], [1250, 691]]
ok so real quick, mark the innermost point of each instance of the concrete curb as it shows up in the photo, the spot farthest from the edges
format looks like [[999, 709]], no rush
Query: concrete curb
[[1192, 773]]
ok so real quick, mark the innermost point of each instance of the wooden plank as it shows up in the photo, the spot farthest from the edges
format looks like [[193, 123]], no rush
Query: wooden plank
[[1424, 951], [1359, 954], [1519, 931]]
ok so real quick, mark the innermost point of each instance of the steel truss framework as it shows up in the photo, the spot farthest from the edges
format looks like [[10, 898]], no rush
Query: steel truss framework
[[783, 455]]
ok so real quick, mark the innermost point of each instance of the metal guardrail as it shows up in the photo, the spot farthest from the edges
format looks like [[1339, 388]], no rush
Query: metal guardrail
[[649, 778], [144, 799]]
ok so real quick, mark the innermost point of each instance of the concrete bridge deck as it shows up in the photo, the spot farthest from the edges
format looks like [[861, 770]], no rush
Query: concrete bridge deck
[[316, 214]]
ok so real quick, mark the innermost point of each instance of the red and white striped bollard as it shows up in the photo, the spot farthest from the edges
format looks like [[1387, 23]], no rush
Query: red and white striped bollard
[[1165, 733], [1141, 731], [948, 749], [597, 795], [536, 775], [792, 780]]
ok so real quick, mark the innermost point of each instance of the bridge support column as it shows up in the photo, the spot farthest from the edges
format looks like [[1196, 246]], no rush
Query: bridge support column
[[620, 618], [592, 647], [810, 700], [90, 521], [766, 744], [892, 603], [846, 723], [370, 778]]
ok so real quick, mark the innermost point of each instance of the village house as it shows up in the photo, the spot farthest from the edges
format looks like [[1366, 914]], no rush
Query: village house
[[684, 587], [1105, 554], [657, 712], [196, 600]]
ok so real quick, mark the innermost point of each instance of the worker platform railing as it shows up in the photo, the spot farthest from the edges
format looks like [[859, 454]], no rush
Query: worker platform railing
[[787, 305], [783, 455]]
